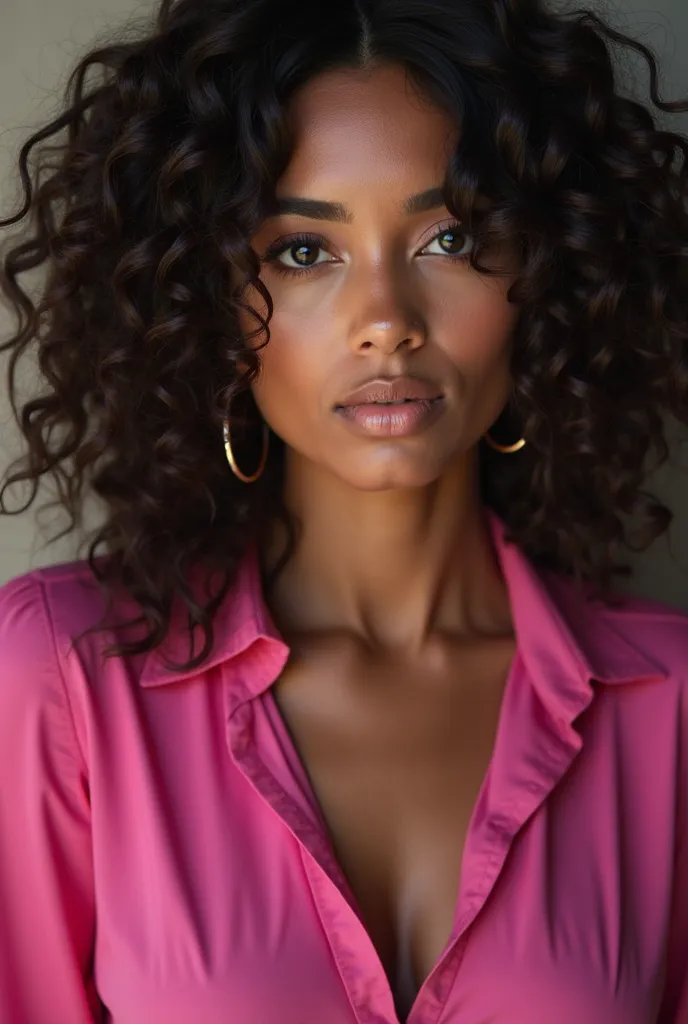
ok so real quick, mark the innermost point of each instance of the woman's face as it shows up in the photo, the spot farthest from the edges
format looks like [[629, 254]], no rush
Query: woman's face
[[380, 292]]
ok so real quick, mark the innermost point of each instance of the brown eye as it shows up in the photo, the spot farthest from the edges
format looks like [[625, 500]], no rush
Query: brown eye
[[453, 241], [300, 253]]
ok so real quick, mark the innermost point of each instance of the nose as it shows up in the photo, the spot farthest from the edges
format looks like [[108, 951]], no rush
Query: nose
[[386, 322], [389, 335]]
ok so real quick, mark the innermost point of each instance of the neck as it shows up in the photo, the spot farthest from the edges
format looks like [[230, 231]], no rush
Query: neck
[[395, 568]]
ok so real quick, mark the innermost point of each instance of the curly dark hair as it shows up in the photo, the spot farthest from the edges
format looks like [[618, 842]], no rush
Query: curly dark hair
[[143, 214]]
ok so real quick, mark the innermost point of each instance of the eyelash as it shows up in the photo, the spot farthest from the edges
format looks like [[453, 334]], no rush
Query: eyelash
[[319, 242]]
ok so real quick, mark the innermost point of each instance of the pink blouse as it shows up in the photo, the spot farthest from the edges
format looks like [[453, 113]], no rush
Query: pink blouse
[[163, 859]]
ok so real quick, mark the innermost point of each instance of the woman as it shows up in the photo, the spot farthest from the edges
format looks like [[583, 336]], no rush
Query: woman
[[362, 321]]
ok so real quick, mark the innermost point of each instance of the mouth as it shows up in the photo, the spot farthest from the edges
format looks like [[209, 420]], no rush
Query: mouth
[[399, 418], [399, 401], [391, 391]]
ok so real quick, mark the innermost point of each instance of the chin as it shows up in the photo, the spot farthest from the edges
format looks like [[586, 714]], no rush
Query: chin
[[391, 474]]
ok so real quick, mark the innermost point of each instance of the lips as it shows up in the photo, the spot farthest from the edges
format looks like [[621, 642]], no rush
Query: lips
[[390, 390]]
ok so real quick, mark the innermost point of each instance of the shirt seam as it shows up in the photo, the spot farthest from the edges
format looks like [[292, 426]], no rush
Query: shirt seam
[[61, 676], [675, 615]]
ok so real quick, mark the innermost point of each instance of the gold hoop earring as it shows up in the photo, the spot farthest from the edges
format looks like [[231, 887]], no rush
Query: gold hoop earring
[[230, 454], [506, 449]]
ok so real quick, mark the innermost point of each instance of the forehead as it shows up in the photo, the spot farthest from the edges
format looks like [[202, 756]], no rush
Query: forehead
[[370, 126]]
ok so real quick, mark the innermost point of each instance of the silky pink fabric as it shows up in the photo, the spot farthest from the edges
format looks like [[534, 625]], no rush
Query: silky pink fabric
[[163, 858]]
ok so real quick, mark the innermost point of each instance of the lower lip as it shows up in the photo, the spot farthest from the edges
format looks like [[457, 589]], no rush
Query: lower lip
[[377, 420]]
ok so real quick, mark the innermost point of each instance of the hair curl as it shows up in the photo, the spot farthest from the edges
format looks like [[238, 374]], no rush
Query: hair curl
[[143, 214]]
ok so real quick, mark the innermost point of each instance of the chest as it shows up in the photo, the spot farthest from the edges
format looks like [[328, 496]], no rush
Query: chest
[[396, 754]]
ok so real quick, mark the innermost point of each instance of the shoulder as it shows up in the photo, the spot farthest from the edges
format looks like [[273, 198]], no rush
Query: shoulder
[[51, 677], [654, 627], [28, 603], [42, 613], [626, 629], [55, 600], [37, 713], [25, 633]]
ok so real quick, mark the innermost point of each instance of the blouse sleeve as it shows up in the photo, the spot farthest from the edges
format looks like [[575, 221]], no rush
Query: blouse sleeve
[[674, 1006], [47, 911]]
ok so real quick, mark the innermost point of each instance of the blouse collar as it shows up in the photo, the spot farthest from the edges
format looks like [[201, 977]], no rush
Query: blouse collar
[[565, 640]]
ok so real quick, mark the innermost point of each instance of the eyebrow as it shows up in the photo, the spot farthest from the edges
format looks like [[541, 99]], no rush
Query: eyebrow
[[320, 209]]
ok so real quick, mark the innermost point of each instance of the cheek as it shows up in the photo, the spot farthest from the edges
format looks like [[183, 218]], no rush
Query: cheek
[[477, 332], [301, 331], [293, 375], [477, 327]]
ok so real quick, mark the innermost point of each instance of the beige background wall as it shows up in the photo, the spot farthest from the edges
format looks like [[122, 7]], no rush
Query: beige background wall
[[39, 41]]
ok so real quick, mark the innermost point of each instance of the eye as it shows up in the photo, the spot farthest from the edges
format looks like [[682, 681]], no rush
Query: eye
[[453, 241], [296, 254], [302, 254], [299, 254]]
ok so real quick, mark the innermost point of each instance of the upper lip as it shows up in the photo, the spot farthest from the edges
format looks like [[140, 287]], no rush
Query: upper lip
[[392, 389]]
